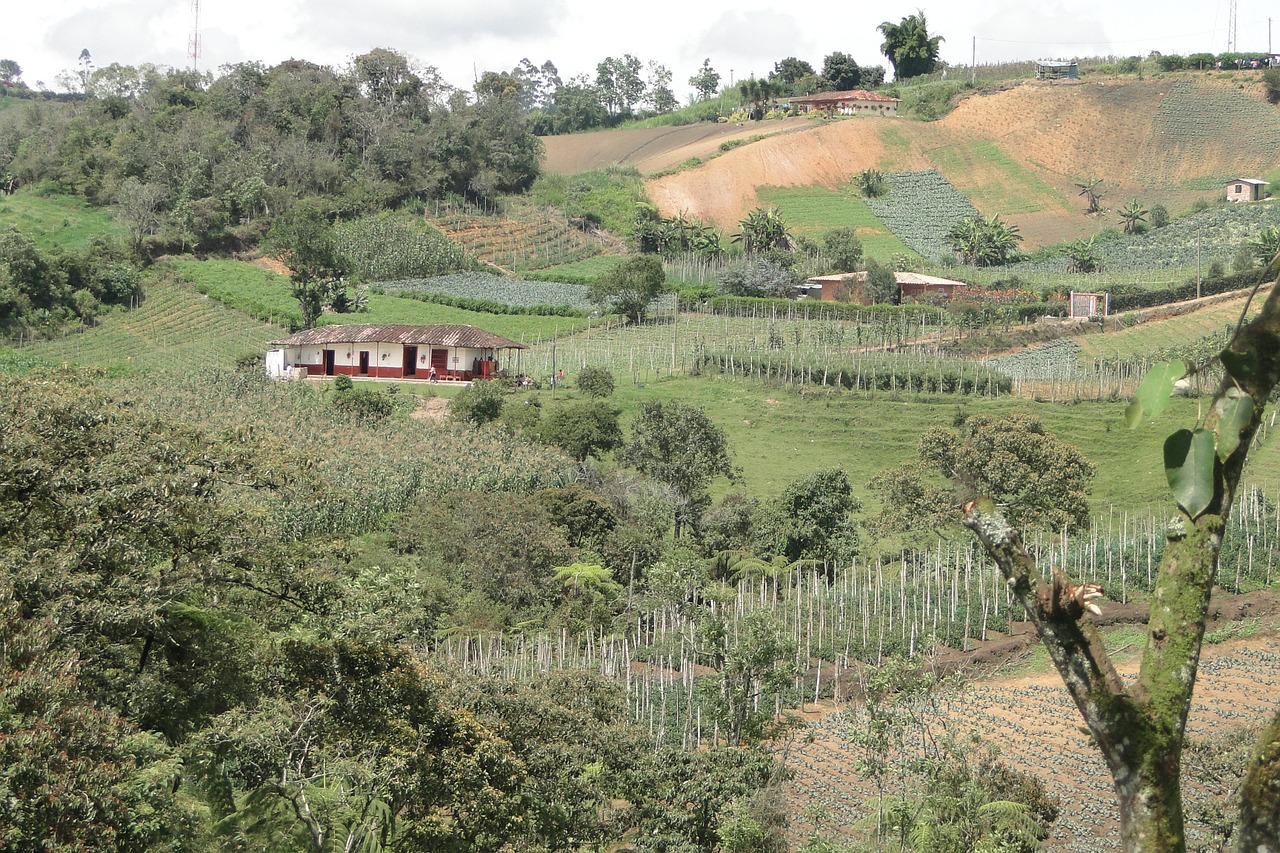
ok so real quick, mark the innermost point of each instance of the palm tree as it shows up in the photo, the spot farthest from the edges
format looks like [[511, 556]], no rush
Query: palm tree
[[1267, 246], [1090, 187], [1082, 256], [872, 183], [1134, 216], [762, 231]]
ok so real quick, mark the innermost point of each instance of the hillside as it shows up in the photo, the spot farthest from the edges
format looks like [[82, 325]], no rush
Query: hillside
[[1017, 152]]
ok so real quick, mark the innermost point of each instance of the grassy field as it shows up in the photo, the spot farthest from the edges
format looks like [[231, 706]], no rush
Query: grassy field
[[811, 211], [584, 271], [1007, 185], [1147, 338], [779, 434], [57, 221]]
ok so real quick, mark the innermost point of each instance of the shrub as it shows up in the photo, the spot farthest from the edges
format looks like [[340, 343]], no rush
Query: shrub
[[1271, 82], [481, 403], [342, 382], [596, 381]]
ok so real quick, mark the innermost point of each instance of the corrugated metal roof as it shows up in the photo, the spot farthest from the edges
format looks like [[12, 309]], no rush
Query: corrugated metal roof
[[850, 95], [901, 277], [443, 335], [1257, 182]]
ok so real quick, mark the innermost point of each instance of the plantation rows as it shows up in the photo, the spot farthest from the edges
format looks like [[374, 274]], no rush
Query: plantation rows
[[642, 352], [372, 471], [522, 241], [1186, 244], [920, 209], [173, 328], [841, 617], [1193, 115], [495, 288]]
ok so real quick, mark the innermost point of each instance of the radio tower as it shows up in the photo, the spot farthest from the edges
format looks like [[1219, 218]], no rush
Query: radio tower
[[193, 40], [1232, 44]]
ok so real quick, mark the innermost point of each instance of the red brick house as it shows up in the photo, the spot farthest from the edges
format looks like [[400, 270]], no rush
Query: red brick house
[[385, 351]]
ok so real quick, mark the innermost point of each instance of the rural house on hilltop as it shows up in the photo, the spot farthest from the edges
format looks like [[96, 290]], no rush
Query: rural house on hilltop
[[852, 102], [1245, 189], [385, 351]]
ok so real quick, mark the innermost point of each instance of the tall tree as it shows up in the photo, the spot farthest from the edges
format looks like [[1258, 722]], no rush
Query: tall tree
[[657, 89], [305, 242], [678, 444], [10, 73], [909, 47], [620, 83], [631, 286], [791, 70], [841, 72], [706, 82], [1139, 725]]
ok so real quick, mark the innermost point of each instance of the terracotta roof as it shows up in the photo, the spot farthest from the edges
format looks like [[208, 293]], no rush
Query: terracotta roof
[[445, 335], [850, 95]]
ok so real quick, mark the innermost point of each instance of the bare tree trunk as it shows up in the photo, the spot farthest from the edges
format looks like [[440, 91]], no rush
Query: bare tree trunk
[[1140, 729]]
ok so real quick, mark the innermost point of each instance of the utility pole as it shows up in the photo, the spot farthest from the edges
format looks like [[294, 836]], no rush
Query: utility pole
[[1232, 44], [193, 41], [973, 64]]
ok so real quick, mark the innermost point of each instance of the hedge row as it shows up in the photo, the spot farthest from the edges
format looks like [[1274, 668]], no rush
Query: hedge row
[[1131, 297], [968, 313], [868, 375], [488, 306]]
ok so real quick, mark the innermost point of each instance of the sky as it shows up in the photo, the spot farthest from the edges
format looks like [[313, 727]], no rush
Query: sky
[[464, 38]]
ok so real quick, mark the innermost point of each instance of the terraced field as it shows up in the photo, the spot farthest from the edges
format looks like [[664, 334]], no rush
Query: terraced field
[[520, 242]]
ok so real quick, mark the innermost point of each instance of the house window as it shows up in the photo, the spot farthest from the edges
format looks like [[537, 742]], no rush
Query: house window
[[1239, 188]]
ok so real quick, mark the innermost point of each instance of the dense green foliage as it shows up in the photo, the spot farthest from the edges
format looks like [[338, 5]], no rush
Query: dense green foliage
[[389, 246], [44, 290], [194, 161]]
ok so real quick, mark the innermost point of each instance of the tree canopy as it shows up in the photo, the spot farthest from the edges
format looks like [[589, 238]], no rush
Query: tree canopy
[[909, 47], [631, 286]]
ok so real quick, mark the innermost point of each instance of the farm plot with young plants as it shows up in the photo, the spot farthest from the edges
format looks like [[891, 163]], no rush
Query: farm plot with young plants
[[1193, 116], [920, 209], [512, 237], [1215, 234], [495, 288]]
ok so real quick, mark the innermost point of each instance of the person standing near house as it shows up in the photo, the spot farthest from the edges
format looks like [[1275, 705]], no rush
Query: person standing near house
[[431, 374]]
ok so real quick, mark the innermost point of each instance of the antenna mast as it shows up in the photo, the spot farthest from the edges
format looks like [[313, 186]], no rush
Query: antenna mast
[[1232, 44], [193, 40]]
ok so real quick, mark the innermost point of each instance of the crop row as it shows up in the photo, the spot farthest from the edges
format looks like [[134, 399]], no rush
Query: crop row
[[921, 208], [1195, 115], [495, 288]]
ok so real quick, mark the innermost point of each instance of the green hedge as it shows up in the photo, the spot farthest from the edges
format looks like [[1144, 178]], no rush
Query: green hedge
[[488, 306], [890, 375], [1131, 297]]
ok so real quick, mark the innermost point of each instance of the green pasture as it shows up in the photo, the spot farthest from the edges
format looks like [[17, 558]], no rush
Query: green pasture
[[811, 211], [57, 221], [258, 292], [578, 272], [778, 434], [897, 147], [1016, 189]]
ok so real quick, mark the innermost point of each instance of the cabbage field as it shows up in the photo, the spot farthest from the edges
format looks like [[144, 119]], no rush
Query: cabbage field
[[495, 288], [1215, 234], [920, 209]]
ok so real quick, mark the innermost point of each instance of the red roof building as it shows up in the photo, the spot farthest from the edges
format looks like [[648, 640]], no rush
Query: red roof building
[[387, 351], [852, 102]]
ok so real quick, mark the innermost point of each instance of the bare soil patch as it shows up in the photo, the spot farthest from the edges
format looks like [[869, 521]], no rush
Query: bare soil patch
[[431, 409], [652, 149]]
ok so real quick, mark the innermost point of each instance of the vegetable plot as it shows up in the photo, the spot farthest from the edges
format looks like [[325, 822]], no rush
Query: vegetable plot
[[921, 208]]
